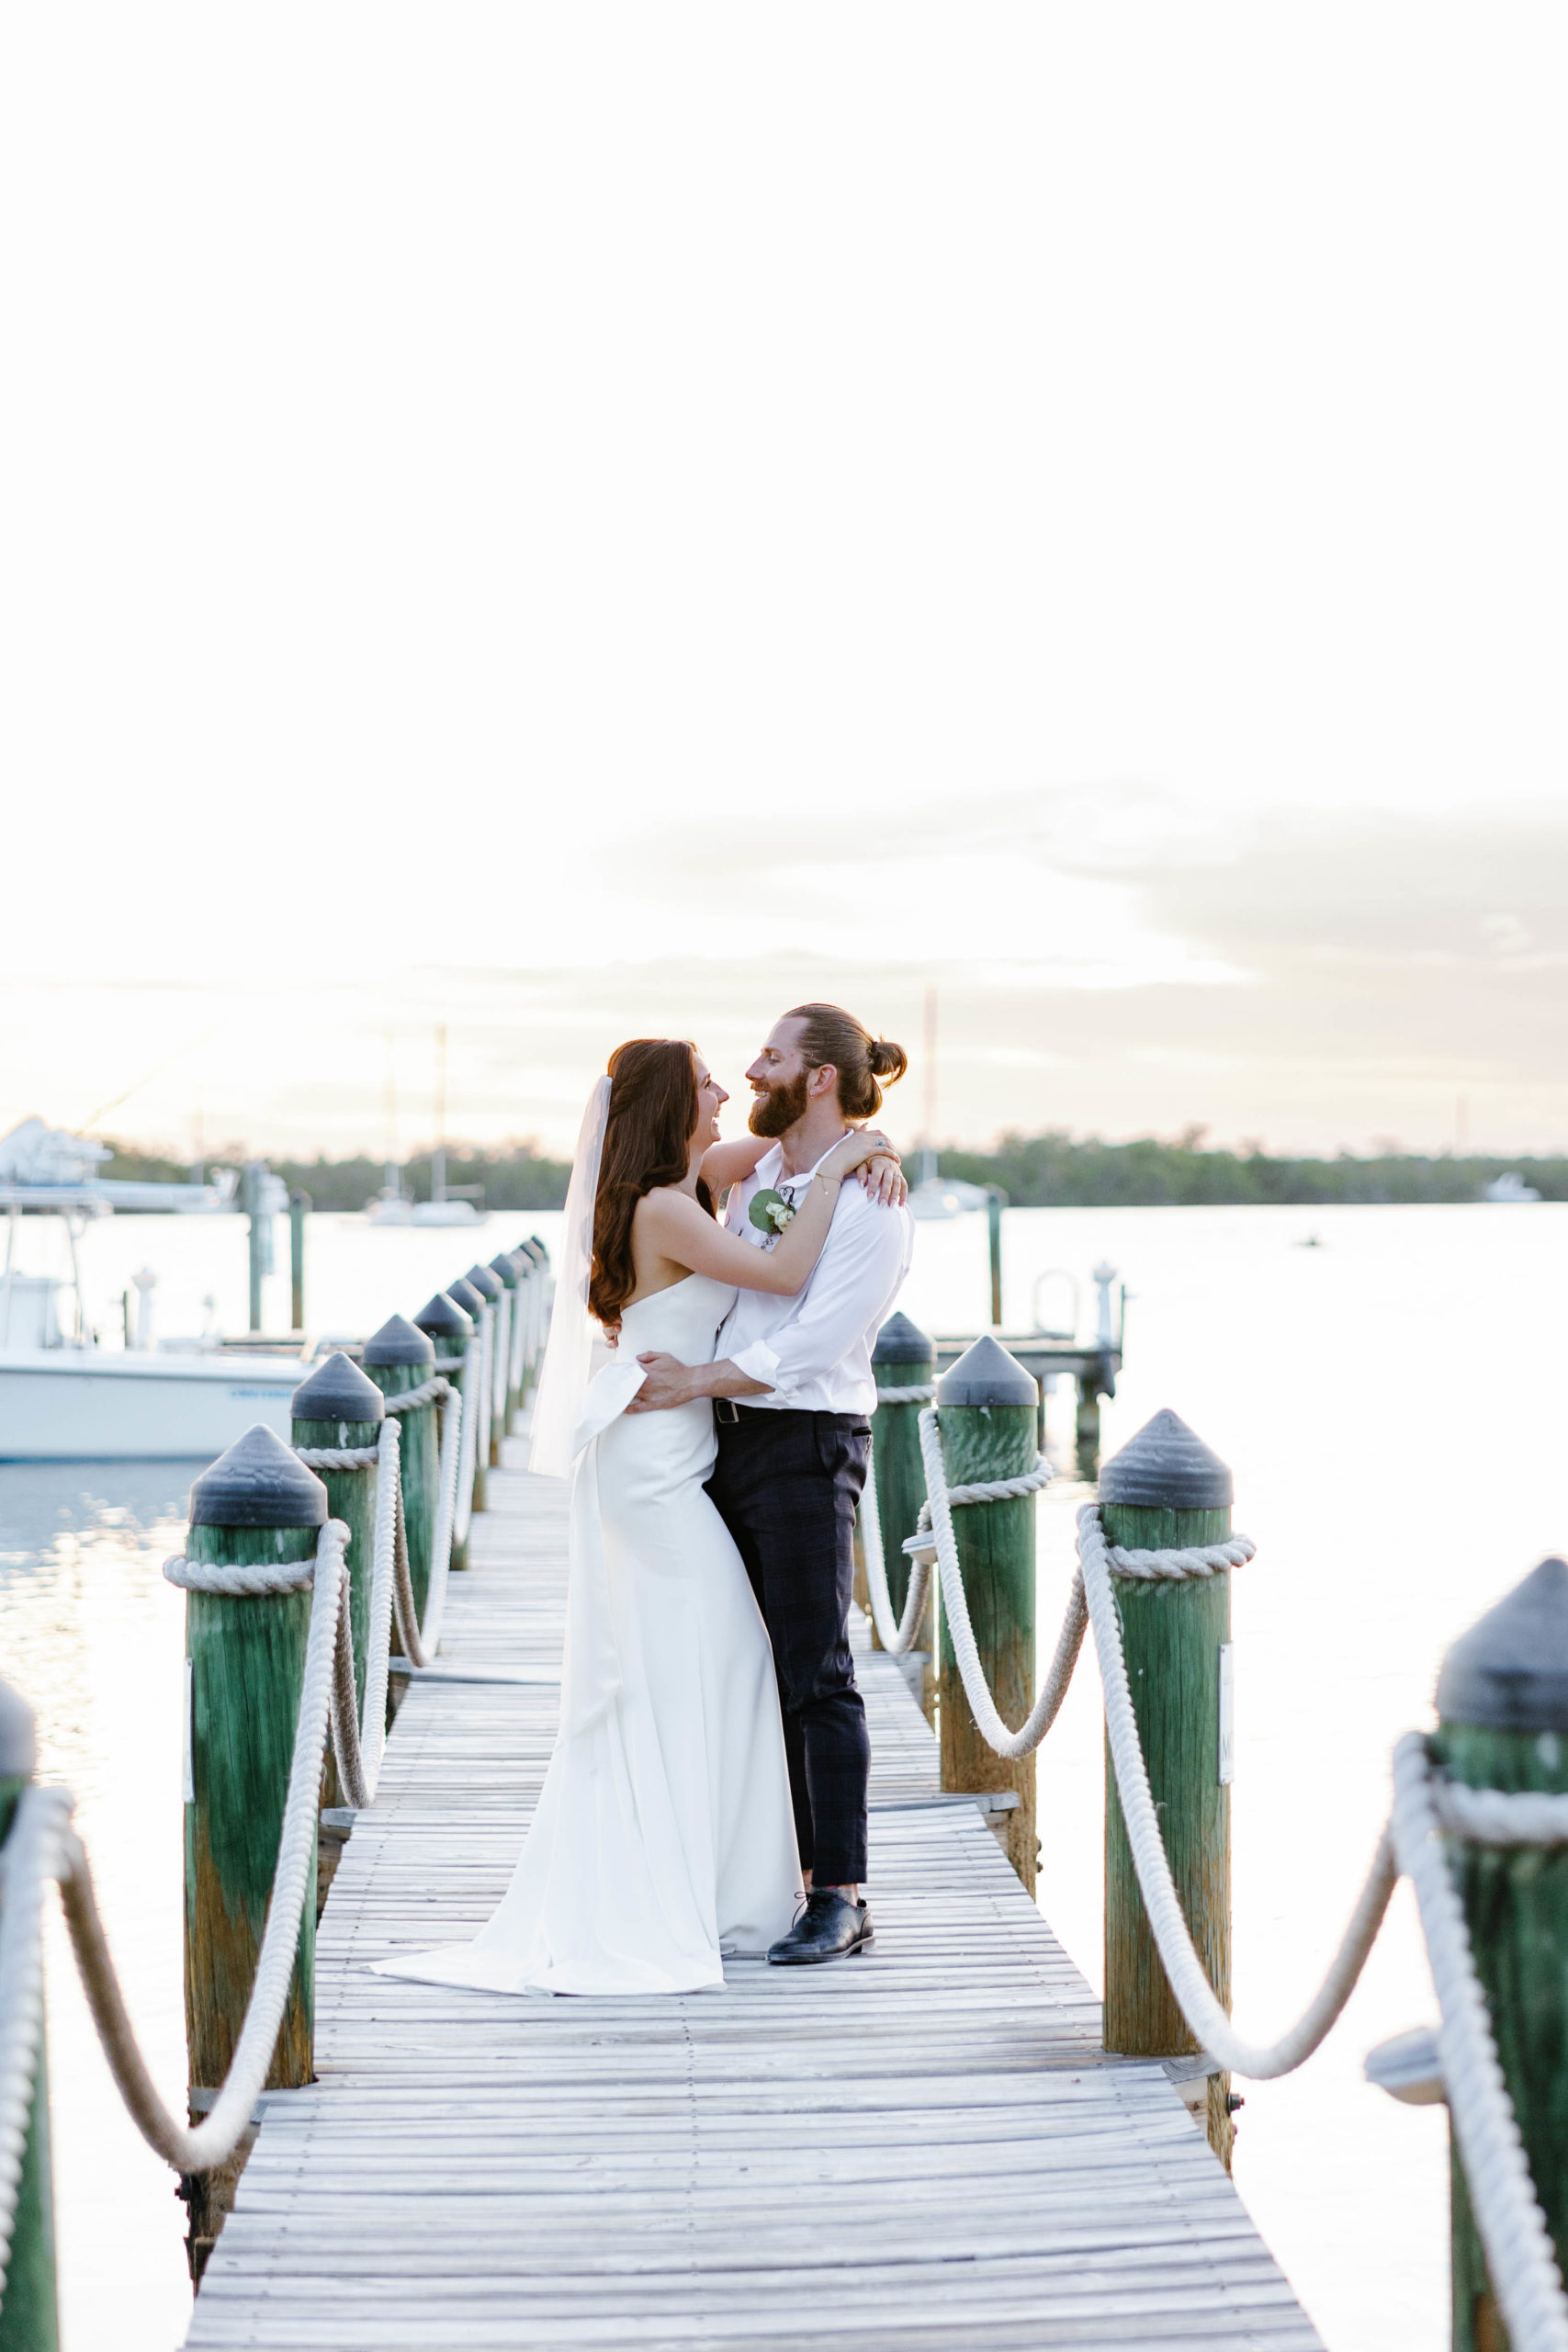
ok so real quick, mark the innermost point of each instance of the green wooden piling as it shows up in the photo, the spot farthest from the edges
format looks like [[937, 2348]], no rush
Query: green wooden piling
[[1165, 1490], [473, 1303], [1502, 1724], [506, 1264], [1086, 1430], [246, 1660], [259, 1229], [905, 1357], [446, 1324], [397, 1357], [339, 1406], [995, 1200], [987, 1404], [493, 1291], [29, 2317], [298, 1210], [538, 1321]]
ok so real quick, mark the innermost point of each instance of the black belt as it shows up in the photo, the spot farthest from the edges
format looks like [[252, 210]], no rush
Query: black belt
[[725, 1410]]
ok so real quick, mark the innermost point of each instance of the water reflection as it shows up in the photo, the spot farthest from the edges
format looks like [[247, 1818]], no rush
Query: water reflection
[[92, 1635]]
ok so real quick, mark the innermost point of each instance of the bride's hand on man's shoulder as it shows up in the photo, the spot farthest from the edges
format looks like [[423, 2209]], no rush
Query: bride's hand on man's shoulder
[[853, 1150], [883, 1181]]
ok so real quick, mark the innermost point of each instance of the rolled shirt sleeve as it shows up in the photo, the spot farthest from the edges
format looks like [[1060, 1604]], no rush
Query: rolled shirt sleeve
[[850, 1287]]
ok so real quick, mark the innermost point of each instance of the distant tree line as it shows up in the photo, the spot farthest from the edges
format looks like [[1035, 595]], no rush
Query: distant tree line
[[516, 1176], [1050, 1170]]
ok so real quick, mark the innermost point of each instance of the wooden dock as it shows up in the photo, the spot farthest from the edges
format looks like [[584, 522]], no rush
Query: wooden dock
[[922, 2146]]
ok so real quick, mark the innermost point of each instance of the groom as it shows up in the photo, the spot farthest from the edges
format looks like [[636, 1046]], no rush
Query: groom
[[794, 1395]]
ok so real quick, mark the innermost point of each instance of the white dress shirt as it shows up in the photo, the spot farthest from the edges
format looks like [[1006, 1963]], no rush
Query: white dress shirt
[[814, 1351]]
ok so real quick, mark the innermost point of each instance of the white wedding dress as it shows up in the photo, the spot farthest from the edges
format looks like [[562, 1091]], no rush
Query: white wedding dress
[[664, 1834]]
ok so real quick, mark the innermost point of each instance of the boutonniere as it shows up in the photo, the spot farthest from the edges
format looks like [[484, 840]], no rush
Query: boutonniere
[[769, 1212]]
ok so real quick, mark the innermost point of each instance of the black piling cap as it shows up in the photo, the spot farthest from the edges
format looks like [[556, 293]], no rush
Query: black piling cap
[[260, 1482], [541, 1255], [987, 1374], [1167, 1467], [443, 1320], [487, 1285], [396, 1341], [338, 1391], [18, 1741], [901, 1341], [463, 1293], [1510, 1671], [505, 1263]]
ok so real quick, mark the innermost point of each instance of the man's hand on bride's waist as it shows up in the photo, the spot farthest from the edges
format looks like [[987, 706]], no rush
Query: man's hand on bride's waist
[[670, 1382]]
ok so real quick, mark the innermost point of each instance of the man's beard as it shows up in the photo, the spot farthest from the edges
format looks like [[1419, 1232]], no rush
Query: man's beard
[[776, 1108]]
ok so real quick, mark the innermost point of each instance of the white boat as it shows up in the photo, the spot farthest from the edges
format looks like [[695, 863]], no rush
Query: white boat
[[1511, 1187], [70, 1404], [64, 1399], [382, 1210], [941, 1197]]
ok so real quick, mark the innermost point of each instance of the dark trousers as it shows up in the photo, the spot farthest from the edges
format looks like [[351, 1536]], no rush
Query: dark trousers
[[786, 1486]]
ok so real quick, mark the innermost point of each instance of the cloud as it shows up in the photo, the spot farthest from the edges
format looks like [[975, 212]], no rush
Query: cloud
[[1107, 960]]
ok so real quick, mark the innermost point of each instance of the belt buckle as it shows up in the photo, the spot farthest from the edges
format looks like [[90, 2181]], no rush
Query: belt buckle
[[727, 1410]]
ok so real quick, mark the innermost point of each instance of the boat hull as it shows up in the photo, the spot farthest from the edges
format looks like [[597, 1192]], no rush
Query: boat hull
[[59, 1405]]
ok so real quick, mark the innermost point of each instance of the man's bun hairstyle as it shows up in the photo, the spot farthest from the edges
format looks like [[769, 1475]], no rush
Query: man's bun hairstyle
[[833, 1035]]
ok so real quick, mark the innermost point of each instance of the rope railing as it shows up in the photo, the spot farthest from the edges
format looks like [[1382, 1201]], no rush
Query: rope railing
[[197, 2148], [896, 1633], [44, 1846], [1425, 1805]]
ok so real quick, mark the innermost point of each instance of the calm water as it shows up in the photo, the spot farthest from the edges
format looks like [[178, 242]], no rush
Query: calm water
[[1391, 1404]]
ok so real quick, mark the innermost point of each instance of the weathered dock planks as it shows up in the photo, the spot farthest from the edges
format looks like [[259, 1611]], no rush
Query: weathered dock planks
[[922, 2146]]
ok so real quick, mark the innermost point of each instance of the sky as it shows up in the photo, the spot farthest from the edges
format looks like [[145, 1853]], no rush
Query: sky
[[576, 522]]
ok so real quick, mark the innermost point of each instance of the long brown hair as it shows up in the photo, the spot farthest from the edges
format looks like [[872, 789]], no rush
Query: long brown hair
[[832, 1035], [648, 1142]]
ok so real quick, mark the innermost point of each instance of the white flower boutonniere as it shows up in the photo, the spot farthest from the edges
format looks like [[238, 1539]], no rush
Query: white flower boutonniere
[[770, 1213]]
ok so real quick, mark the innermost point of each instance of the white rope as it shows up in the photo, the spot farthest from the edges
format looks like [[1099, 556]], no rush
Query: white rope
[[896, 1635], [920, 1392], [501, 1360], [198, 2149], [337, 1457], [1194, 1994], [478, 1390], [1519, 2258], [1500, 1817], [1181, 1562], [938, 1511], [27, 1861], [360, 1733], [429, 1392], [259, 1576], [420, 1645], [463, 1511]]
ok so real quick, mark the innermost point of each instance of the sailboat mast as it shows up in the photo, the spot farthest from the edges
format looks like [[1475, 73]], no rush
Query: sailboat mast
[[391, 1187], [928, 1154], [438, 1156]]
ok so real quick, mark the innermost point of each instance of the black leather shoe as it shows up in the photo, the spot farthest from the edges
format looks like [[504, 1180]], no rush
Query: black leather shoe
[[831, 1927]]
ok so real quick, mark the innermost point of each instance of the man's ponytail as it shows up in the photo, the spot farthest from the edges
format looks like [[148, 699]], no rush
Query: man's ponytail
[[834, 1036]]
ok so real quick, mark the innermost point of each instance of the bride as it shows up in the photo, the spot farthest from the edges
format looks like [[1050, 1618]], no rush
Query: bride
[[664, 1834]]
